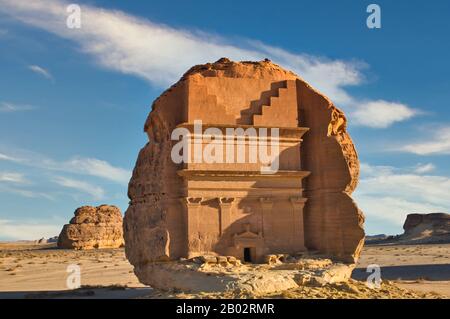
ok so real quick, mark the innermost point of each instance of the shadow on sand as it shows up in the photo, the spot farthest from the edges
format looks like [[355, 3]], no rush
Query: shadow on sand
[[437, 272], [82, 293]]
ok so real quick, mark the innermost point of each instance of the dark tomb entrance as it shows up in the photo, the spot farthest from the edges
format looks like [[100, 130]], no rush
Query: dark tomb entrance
[[247, 255]]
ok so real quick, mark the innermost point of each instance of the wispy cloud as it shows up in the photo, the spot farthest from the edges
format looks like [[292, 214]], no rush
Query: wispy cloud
[[391, 193], [98, 168], [133, 45], [424, 168], [438, 143], [7, 107], [13, 177], [5, 157], [27, 229], [40, 70], [14, 183], [76, 165], [96, 192], [24, 192]]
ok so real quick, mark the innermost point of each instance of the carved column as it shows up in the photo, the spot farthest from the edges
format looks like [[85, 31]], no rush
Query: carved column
[[193, 205], [225, 204], [298, 203], [266, 207]]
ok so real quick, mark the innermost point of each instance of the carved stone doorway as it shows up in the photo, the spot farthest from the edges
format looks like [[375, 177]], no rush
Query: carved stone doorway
[[248, 255]]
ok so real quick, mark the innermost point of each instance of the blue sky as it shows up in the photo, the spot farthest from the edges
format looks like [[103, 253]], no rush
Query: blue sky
[[73, 101]]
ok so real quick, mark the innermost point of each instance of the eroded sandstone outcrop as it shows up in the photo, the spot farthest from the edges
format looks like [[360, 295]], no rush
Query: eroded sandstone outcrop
[[93, 227], [426, 228], [185, 210]]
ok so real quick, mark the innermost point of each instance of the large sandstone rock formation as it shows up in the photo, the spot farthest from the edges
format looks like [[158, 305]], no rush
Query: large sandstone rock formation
[[93, 227], [426, 228], [184, 210]]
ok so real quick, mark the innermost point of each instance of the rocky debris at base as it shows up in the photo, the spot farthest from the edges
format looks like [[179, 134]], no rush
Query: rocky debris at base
[[222, 274], [93, 227], [352, 289], [224, 261]]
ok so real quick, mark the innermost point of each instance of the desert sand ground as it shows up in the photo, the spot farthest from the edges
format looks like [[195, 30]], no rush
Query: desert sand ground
[[36, 271], [424, 268], [25, 269]]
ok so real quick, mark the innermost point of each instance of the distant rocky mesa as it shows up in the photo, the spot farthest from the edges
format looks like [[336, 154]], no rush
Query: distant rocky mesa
[[431, 228], [427, 228], [93, 227]]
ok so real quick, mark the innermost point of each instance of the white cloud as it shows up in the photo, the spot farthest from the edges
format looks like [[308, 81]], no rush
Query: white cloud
[[12, 177], [5, 157], [99, 168], [439, 143], [160, 54], [7, 107], [392, 210], [95, 191], [12, 183], [77, 165], [24, 192], [27, 230], [390, 193], [381, 114], [40, 70], [424, 168]]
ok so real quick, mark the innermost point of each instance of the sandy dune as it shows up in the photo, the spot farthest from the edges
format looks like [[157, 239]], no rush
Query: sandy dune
[[36, 271]]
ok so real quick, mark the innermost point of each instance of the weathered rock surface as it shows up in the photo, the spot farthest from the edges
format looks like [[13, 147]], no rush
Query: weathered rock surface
[[426, 228], [209, 274], [419, 229], [180, 211], [351, 289], [93, 227]]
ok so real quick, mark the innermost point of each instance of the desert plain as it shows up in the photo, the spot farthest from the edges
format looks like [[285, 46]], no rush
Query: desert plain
[[40, 271]]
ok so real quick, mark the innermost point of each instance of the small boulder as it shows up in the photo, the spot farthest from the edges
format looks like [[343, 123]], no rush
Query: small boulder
[[208, 259]]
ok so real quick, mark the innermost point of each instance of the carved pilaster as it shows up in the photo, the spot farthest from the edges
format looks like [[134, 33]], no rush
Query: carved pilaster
[[225, 204], [266, 207], [193, 206], [298, 203]]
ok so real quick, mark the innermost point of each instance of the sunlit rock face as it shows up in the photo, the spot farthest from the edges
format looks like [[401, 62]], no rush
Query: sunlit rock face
[[426, 229], [93, 227], [183, 210]]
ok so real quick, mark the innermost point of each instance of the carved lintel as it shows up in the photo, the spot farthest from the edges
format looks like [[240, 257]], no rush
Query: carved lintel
[[193, 201], [226, 200], [298, 202]]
